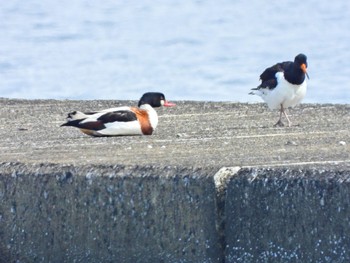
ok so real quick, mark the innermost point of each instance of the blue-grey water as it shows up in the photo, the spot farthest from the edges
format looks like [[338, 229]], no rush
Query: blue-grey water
[[190, 50]]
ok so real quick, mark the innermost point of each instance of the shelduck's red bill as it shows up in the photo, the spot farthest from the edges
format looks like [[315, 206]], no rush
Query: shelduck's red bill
[[168, 104]]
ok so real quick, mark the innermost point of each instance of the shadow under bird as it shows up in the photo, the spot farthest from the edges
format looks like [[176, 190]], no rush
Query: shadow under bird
[[283, 85], [141, 120]]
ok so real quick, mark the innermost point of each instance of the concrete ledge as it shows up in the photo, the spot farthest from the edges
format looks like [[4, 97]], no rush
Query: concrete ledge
[[56, 213], [288, 215]]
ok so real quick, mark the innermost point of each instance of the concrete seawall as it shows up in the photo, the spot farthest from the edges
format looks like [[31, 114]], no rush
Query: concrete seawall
[[55, 213], [216, 183], [284, 215]]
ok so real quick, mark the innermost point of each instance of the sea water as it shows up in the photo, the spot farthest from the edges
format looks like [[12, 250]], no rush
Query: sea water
[[189, 50]]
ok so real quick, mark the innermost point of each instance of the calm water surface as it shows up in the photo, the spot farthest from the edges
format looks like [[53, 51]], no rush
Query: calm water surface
[[190, 50]]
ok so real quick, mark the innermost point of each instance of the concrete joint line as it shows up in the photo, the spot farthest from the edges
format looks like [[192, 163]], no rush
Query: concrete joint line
[[221, 179], [284, 164]]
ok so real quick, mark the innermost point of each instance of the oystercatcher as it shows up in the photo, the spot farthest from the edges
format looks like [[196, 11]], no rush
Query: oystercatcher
[[141, 120], [283, 85]]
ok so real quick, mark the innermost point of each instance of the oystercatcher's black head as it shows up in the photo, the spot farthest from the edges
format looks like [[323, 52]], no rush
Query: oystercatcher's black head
[[155, 99], [300, 61]]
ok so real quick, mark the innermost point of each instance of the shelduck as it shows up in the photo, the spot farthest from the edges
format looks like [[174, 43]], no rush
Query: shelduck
[[141, 120]]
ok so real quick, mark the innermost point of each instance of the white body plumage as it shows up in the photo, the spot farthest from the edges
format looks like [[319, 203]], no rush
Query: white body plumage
[[285, 93]]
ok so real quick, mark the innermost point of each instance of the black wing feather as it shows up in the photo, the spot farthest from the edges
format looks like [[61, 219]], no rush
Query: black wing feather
[[268, 77], [270, 72], [92, 125], [121, 115]]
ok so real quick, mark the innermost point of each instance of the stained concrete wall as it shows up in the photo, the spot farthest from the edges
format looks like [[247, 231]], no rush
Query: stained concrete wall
[[99, 213], [288, 215], [53, 213]]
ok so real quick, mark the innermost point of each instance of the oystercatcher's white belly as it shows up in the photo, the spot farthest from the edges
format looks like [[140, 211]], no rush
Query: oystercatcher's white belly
[[285, 93]]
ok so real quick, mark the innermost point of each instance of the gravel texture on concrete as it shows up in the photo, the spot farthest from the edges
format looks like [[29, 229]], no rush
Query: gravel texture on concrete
[[199, 134]]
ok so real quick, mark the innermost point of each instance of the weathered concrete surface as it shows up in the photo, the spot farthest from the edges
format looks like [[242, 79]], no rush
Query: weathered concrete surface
[[288, 215], [54, 213], [192, 134], [65, 196]]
